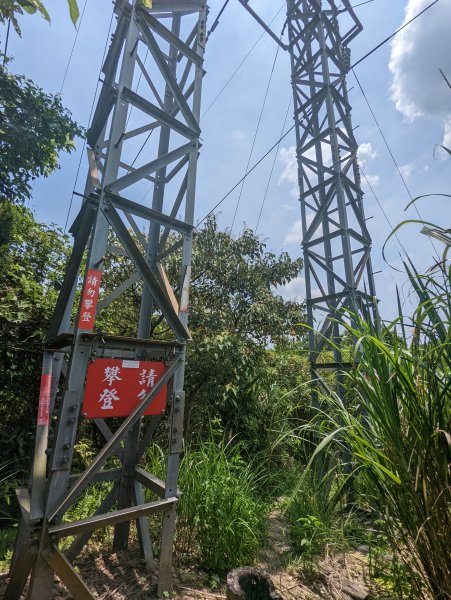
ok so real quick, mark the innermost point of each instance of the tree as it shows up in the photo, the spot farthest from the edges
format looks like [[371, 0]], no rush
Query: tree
[[33, 257], [10, 8], [34, 128], [236, 314]]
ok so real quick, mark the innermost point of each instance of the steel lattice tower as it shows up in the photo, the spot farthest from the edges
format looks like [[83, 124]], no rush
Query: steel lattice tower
[[336, 241], [137, 139]]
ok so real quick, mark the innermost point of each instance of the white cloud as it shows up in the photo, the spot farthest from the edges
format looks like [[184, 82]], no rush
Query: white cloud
[[289, 160], [447, 134], [294, 235], [290, 171], [407, 170], [294, 290], [289, 207], [366, 151], [417, 54], [237, 135], [372, 180]]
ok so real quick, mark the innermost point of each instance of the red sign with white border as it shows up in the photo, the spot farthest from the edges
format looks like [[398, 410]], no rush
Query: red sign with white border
[[89, 300], [114, 387]]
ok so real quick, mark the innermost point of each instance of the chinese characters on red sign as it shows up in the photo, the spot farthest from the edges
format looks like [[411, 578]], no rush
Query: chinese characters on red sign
[[114, 387], [89, 300]]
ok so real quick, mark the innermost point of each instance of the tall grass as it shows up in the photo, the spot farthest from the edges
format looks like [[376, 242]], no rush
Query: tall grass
[[399, 436], [220, 518], [319, 517]]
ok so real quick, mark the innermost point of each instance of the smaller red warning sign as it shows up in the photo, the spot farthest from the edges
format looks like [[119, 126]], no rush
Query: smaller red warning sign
[[114, 387], [89, 301], [44, 399]]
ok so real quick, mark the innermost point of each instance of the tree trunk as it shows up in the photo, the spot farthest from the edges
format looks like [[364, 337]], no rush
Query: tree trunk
[[247, 583]]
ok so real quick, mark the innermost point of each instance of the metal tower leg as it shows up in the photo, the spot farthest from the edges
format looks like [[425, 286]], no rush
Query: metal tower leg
[[123, 123], [336, 241]]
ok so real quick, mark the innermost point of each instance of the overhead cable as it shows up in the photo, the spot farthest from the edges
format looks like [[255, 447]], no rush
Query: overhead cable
[[254, 166], [77, 31], [393, 34], [216, 21], [276, 153], [293, 126], [216, 98], [89, 120], [255, 136], [390, 152]]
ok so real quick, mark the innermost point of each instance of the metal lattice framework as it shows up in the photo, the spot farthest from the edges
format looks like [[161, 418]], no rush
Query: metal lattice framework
[[336, 240], [152, 137], [137, 139]]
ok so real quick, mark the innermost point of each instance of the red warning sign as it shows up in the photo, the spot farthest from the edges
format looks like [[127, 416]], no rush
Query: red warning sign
[[114, 387], [89, 300], [44, 399]]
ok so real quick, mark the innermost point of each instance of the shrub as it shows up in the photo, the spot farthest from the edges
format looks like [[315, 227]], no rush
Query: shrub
[[399, 436], [220, 518]]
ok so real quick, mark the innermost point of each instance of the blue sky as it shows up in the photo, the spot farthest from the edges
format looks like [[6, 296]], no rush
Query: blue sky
[[401, 80]]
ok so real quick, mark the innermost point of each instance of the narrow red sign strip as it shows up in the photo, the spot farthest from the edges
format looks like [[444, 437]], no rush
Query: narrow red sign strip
[[44, 399], [89, 300]]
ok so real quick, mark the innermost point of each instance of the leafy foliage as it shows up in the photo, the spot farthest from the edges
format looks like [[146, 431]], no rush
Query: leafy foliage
[[400, 437], [235, 314], [33, 257], [220, 518], [9, 9], [34, 128]]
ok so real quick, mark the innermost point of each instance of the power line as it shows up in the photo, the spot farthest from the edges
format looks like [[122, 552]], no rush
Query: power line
[[215, 24], [291, 128], [260, 160], [215, 99], [73, 46], [272, 168], [136, 90], [382, 209], [393, 34], [255, 135], [362, 3], [390, 152], [89, 120]]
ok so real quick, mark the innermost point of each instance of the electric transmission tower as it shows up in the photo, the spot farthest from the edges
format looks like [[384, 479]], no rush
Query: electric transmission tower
[[335, 239], [137, 139]]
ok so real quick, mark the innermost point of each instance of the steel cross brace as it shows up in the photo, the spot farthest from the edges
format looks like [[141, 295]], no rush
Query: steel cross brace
[[162, 115]]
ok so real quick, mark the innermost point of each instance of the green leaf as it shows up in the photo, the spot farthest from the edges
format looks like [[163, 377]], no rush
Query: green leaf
[[35, 5], [73, 10]]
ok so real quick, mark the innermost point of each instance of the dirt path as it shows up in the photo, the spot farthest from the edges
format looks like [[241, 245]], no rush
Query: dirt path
[[122, 576]]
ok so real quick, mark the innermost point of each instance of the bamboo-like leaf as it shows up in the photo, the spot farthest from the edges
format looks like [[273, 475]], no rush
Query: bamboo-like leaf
[[73, 11]]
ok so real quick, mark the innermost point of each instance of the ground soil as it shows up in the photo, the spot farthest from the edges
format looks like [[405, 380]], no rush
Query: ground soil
[[122, 576]]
